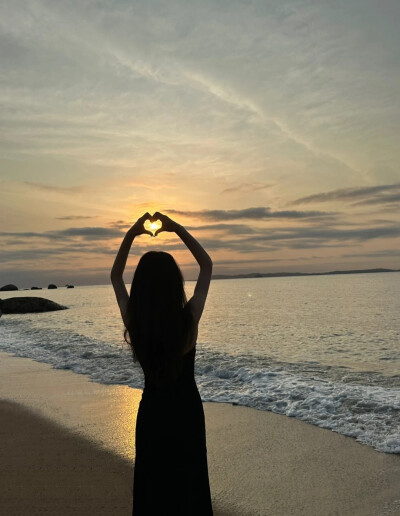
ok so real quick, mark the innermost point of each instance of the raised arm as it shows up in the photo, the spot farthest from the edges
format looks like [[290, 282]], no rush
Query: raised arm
[[198, 300], [120, 262]]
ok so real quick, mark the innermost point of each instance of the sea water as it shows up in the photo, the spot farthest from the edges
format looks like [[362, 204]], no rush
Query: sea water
[[323, 349]]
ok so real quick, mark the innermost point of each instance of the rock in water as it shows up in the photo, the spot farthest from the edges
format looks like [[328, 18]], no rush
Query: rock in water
[[9, 287], [26, 305], [52, 285]]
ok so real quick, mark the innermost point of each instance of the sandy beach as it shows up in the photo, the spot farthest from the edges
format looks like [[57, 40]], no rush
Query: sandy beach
[[67, 447]]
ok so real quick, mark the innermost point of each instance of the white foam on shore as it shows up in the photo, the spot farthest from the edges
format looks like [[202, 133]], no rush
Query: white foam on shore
[[369, 413]]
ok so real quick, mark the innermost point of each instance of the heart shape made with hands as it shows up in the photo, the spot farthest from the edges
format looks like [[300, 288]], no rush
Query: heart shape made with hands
[[152, 225]]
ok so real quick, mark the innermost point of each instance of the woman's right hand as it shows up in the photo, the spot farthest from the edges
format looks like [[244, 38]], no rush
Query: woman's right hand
[[167, 223]]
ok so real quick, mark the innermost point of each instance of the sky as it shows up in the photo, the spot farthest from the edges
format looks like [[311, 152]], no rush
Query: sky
[[269, 130]]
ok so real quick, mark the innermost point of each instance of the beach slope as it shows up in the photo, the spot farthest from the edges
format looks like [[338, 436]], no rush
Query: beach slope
[[67, 447]]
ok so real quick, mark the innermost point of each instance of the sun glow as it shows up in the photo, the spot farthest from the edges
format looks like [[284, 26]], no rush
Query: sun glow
[[152, 225]]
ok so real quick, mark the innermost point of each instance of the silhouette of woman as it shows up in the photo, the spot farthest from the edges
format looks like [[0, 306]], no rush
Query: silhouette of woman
[[171, 470]]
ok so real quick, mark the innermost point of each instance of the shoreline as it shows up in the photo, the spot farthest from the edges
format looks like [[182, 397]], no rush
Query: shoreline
[[259, 462], [256, 275]]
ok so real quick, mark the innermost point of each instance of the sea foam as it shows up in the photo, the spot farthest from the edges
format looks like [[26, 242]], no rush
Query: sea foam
[[328, 397]]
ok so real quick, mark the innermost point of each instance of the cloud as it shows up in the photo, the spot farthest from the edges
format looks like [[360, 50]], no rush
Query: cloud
[[268, 240], [275, 239], [76, 217], [366, 195], [90, 233], [383, 253], [54, 188], [246, 187], [328, 234], [235, 237], [234, 229], [66, 252], [381, 199], [266, 245], [259, 213], [120, 224]]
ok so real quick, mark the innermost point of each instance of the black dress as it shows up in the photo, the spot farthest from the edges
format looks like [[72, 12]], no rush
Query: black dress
[[171, 471]]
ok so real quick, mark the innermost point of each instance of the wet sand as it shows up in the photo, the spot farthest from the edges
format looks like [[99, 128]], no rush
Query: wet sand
[[67, 447]]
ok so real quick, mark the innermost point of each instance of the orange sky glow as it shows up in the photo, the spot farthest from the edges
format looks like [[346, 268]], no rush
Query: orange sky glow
[[268, 129]]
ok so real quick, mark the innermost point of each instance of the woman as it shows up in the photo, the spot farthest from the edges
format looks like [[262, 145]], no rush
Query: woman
[[171, 471]]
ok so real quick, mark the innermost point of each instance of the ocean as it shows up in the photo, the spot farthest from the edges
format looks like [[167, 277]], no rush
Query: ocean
[[323, 349]]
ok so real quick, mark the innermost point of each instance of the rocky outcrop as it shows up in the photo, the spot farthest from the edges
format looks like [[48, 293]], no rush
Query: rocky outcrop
[[70, 286], [25, 305], [9, 287], [52, 286]]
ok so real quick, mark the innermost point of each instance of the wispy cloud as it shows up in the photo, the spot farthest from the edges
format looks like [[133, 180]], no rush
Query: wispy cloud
[[66, 253], [319, 235], [257, 213], [55, 188], [383, 253], [76, 217], [90, 233], [378, 194], [246, 187], [232, 229], [119, 224], [381, 199]]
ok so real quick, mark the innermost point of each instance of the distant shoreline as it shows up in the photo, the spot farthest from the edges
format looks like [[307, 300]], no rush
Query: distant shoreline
[[245, 276], [284, 274]]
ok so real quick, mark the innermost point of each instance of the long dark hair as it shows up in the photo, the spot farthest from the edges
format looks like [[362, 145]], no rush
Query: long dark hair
[[159, 319]]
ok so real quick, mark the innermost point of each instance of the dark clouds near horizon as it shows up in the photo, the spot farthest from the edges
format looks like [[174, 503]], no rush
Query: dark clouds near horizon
[[257, 213], [239, 237]]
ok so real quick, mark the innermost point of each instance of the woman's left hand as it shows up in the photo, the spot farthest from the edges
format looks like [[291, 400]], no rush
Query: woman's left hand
[[138, 227]]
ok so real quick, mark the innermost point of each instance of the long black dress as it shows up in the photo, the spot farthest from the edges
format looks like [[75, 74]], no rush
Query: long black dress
[[171, 471]]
